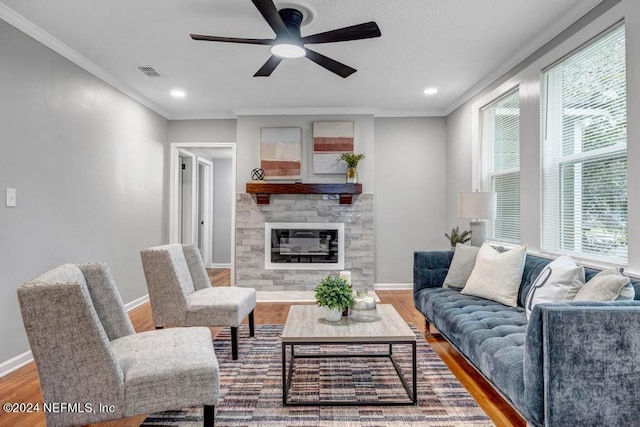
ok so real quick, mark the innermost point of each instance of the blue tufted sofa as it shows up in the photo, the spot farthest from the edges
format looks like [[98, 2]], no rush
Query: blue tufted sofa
[[575, 363]]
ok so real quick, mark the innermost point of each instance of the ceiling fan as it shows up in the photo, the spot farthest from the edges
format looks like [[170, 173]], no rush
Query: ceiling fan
[[290, 44]]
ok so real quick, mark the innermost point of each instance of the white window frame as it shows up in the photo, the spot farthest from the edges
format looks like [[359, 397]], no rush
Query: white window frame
[[488, 174], [552, 239]]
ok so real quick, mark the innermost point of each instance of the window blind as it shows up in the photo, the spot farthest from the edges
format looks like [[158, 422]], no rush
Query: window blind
[[584, 203], [500, 123]]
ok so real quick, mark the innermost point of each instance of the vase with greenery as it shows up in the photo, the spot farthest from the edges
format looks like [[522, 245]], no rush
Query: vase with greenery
[[352, 160], [458, 237], [334, 294]]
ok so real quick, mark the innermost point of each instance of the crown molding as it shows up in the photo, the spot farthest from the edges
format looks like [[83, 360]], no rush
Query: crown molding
[[308, 112], [569, 19], [410, 113], [29, 28], [204, 116], [337, 111]]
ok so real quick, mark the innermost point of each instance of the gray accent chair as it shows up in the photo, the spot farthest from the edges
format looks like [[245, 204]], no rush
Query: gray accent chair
[[181, 293], [88, 354]]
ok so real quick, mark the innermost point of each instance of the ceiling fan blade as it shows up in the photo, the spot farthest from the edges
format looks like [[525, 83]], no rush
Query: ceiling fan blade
[[268, 67], [270, 14], [367, 30], [231, 39], [332, 65]]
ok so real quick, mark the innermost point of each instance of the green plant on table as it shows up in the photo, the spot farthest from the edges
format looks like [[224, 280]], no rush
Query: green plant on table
[[334, 292], [458, 237], [351, 159]]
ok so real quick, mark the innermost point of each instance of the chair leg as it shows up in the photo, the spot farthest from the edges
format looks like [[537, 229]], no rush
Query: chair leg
[[234, 343], [208, 415], [252, 331]]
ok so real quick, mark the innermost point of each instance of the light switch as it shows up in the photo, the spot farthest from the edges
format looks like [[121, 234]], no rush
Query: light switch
[[11, 197]]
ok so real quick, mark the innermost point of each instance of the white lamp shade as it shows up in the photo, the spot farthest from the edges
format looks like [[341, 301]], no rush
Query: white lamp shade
[[477, 205]]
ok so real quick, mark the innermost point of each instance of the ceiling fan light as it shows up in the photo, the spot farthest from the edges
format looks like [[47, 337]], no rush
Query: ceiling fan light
[[288, 50]]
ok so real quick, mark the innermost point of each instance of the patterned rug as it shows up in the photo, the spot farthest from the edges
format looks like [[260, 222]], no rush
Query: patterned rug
[[251, 388]]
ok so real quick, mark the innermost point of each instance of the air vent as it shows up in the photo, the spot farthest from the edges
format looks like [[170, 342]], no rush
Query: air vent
[[149, 71]]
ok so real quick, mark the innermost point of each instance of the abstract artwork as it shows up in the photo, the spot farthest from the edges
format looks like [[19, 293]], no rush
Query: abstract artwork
[[281, 153], [330, 139]]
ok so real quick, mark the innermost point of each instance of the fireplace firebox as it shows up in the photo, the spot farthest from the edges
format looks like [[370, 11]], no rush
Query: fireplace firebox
[[304, 246]]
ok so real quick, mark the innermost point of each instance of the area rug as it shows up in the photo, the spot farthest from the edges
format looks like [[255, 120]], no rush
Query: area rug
[[251, 388]]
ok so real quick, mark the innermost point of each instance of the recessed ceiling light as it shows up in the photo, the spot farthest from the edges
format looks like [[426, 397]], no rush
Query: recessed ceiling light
[[178, 93], [430, 91]]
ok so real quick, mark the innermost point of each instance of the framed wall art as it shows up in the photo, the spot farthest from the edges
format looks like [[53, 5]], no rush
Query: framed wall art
[[281, 153], [330, 139]]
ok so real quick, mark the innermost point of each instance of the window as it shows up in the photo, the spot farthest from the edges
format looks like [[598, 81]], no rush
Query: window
[[500, 123], [584, 150]]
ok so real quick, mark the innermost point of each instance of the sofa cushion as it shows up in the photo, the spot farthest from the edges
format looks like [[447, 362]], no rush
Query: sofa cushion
[[497, 276], [559, 281], [464, 259], [489, 334], [430, 268]]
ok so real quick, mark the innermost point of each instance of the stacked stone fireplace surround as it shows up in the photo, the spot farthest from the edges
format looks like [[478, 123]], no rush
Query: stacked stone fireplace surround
[[312, 208]]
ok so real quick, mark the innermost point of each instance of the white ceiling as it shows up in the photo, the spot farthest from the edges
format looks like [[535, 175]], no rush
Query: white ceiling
[[454, 45]]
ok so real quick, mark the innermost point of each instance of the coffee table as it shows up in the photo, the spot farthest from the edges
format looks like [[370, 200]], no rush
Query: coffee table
[[306, 326]]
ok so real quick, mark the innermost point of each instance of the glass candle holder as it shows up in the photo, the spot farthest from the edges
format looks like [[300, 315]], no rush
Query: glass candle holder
[[364, 307]]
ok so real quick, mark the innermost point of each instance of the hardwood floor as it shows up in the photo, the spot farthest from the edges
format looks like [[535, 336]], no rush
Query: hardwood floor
[[23, 386]]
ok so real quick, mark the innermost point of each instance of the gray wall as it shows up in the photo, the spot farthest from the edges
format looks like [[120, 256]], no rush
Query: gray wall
[[458, 163], [87, 163], [409, 193], [222, 192], [220, 130], [462, 173]]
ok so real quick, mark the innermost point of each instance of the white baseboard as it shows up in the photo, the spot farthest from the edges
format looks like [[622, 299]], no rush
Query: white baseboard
[[15, 363], [136, 302], [220, 265], [393, 286], [25, 358]]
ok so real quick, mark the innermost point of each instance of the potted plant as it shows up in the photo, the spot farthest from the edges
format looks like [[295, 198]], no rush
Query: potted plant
[[352, 160], [334, 294], [458, 237]]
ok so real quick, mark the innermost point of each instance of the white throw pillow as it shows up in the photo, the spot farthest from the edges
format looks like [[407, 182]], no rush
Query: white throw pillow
[[497, 276], [607, 285], [464, 259], [559, 281]]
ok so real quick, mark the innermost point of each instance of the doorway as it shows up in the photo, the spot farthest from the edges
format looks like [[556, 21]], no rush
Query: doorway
[[202, 200]]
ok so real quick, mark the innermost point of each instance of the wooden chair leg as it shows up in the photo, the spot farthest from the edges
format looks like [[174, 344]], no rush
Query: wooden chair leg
[[252, 332], [234, 343], [208, 415]]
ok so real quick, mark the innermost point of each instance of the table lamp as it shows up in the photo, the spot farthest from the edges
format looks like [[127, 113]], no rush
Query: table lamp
[[478, 206]]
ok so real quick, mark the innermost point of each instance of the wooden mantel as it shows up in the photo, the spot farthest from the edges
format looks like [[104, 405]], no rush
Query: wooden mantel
[[263, 190]]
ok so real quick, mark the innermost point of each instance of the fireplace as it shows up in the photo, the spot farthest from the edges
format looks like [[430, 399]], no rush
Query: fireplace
[[304, 246], [304, 210]]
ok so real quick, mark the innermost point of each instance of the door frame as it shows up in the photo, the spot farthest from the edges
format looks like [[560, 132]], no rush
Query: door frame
[[204, 187], [178, 195], [174, 182]]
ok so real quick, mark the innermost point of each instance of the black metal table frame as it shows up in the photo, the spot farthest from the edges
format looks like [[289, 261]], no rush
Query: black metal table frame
[[287, 374]]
